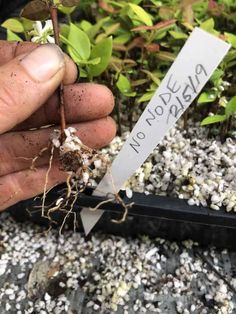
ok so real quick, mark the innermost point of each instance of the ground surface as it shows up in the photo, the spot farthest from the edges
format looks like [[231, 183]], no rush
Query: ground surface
[[188, 165], [47, 273]]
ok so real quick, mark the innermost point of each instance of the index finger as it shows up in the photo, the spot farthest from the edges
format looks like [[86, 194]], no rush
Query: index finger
[[11, 49]]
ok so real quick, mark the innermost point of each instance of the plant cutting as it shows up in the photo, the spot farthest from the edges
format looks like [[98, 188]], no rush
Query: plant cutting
[[78, 160], [73, 155], [144, 46]]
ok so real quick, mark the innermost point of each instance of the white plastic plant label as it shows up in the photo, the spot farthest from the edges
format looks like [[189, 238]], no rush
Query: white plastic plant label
[[192, 68]]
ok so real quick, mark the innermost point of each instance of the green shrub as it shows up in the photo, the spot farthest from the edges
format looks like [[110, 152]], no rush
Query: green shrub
[[130, 45]]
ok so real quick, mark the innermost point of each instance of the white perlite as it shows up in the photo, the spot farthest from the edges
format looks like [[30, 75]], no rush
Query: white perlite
[[109, 273], [80, 161], [189, 166]]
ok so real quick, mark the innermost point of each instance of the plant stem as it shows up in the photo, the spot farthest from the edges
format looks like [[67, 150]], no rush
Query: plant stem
[[186, 119], [223, 132], [54, 18], [68, 18], [229, 125]]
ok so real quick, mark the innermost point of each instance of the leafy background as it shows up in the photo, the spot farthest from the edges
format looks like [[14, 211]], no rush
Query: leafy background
[[130, 45]]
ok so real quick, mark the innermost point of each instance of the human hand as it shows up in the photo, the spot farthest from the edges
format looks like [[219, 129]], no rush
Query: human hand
[[29, 77]]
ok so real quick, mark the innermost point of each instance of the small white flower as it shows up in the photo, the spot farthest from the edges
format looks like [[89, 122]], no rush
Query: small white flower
[[42, 34]]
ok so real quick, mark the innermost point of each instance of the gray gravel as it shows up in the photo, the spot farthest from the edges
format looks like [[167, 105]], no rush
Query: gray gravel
[[188, 165], [42, 272]]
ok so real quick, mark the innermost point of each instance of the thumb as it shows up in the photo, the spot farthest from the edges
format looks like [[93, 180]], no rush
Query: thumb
[[27, 81]]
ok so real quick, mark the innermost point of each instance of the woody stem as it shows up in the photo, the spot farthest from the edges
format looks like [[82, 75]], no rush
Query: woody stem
[[54, 18]]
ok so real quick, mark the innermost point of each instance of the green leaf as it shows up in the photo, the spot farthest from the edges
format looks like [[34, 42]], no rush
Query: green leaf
[[137, 1], [178, 35], [152, 76], [230, 59], [146, 97], [122, 39], [91, 61], [13, 25], [64, 30], [71, 48], [83, 73], [108, 31], [208, 25], [66, 7], [85, 25], [94, 29], [65, 41], [12, 36], [112, 28], [80, 42], [139, 82], [27, 24], [130, 94], [157, 3], [206, 97], [101, 50], [230, 108], [141, 14], [216, 76], [69, 3], [166, 56], [213, 119], [66, 10], [231, 39], [123, 84]]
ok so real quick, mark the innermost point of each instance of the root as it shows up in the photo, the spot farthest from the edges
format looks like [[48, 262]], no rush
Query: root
[[100, 204], [23, 158], [70, 211], [82, 164], [126, 209], [46, 181], [49, 191], [32, 167], [51, 211], [69, 189], [120, 201]]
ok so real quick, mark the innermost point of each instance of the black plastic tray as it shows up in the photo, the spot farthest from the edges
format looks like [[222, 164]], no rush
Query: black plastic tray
[[152, 215]]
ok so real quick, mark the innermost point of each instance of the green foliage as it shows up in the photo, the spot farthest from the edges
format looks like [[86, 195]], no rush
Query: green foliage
[[14, 25], [230, 108], [92, 57], [12, 36], [103, 51], [231, 39], [140, 14], [124, 86], [79, 46], [213, 119], [229, 111], [206, 97], [130, 45]]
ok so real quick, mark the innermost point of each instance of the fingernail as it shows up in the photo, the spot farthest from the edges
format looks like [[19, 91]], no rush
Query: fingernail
[[43, 62]]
